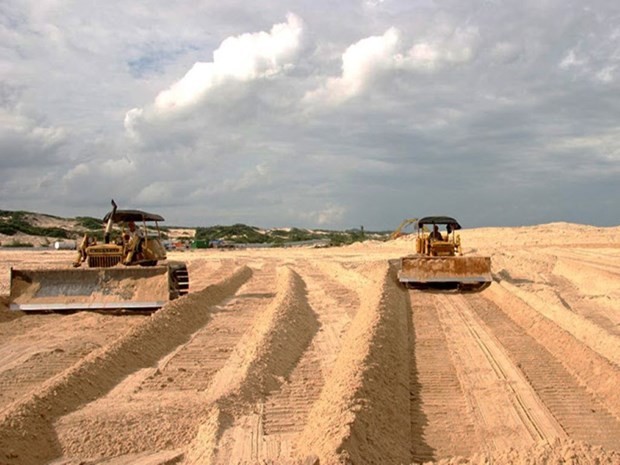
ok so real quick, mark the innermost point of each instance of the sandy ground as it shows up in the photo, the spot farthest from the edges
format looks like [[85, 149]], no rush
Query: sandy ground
[[319, 356]]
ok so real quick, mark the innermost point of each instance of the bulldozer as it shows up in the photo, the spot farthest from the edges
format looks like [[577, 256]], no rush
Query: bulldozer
[[439, 262], [128, 271]]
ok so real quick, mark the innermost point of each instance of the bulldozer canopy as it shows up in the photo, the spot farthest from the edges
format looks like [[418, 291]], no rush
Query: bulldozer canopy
[[439, 220], [124, 216]]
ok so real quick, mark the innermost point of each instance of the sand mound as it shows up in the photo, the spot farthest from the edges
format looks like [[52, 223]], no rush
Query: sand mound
[[258, 364], [369, 381]]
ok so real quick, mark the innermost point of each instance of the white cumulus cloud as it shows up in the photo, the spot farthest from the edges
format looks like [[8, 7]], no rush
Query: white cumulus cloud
[[360, 62], [328, 215], [239, 59], [456, 47], [242, 58], [373, 56]]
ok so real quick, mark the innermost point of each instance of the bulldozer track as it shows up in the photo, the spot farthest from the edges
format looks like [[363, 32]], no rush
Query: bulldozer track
[[533, 396], [579, 412], [438, 402], [592, 257]]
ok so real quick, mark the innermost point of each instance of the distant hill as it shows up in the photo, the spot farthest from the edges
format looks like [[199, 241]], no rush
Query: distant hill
[[22, 228], [243, 234]]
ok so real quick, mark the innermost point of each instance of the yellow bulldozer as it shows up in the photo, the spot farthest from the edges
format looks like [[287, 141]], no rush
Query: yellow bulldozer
[[128, 271], [439, 262]]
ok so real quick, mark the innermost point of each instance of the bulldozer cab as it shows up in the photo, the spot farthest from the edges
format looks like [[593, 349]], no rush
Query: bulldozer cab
[[436, 236], [127, 240]]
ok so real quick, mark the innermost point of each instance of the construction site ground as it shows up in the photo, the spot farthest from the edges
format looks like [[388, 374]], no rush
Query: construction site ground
[[319, 356]]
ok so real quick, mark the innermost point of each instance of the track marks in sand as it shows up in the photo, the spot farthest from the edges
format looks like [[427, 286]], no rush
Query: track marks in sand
[[29, 359], [26, 427], [280, 413], [165, 404], [467, 394], [343, 410], [591, 289], [580, 413], [265, 357], [442, 421], [203, 272], [285, 411], [510, 412], [478, 374], [578, 294], [359, 416], [192, 366]]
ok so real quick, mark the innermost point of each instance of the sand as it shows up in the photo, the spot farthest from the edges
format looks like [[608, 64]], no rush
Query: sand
[[320, 356]]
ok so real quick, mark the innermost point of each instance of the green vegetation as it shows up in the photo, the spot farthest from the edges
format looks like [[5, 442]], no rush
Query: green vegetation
[[13, 222], [243, 234], [90, 223], [237, 233], [17, 244]]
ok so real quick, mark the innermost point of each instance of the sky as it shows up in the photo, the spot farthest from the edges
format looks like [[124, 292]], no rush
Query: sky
[[314, 114]]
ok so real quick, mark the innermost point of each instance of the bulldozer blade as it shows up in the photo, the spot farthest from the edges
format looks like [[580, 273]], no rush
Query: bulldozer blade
[[432, 270], [89, 288]]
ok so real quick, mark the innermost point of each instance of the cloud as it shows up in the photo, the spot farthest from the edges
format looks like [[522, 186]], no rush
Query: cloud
[[456, 47], [360, 63], [596, 57], [607, 74], [24, 141], [571, 60], [505, 52], [377, 56], [329, 215], [242, 58]]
